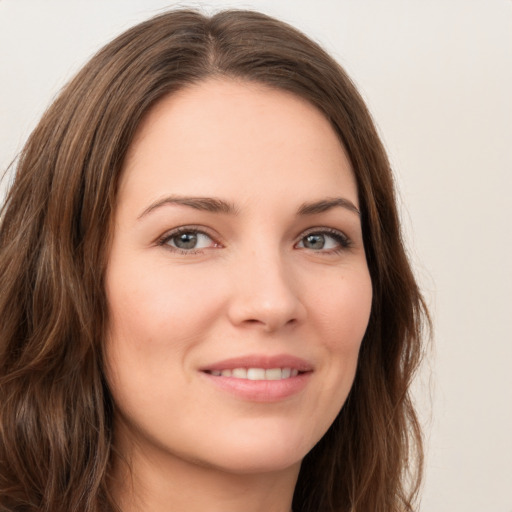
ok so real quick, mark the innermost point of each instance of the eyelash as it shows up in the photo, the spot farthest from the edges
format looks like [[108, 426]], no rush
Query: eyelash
[[340, 237], [163, 241], [342, 240]]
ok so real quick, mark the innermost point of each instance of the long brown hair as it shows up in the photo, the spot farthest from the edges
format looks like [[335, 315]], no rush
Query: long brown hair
[[55, 408]]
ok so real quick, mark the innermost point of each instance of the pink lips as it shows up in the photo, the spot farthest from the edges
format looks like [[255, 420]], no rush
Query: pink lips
[[260, 390], [261, 361]]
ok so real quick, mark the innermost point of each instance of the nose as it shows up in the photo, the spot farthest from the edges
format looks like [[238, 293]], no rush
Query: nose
[[265, 295]]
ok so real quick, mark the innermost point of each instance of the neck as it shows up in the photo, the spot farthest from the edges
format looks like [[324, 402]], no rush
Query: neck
[[168, 483]]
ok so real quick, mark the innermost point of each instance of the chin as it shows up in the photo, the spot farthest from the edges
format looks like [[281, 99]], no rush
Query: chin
[[260, 455], [249, 463]]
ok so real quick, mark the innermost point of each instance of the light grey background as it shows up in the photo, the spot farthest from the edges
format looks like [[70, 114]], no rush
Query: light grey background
[[437, 76]]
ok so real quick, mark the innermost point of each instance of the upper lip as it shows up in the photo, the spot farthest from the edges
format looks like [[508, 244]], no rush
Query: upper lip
[[261, 361]]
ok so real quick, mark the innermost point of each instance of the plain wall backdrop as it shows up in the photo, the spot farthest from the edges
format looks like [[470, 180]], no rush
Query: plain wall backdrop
[[437, 77]]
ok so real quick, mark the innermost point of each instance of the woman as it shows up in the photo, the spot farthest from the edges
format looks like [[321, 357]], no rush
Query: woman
[[205, 298]]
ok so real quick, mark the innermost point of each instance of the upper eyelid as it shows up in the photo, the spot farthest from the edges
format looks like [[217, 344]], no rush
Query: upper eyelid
[[187, 229], [323, 230]]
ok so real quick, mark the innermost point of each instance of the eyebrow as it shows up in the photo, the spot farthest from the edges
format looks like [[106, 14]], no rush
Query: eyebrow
[[207, 204], [215, 205], [327, 204]]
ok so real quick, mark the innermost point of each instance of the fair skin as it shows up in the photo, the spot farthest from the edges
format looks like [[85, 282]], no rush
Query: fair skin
[[237, 244]]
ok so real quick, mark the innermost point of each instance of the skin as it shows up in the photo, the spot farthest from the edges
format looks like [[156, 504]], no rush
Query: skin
[[254, 284]]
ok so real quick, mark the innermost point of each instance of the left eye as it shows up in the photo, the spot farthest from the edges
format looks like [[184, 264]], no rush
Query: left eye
[[188, 240], [323, 241]]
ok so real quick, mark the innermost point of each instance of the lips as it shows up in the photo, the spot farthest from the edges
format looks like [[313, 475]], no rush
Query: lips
[[260, 362], [260, 378]]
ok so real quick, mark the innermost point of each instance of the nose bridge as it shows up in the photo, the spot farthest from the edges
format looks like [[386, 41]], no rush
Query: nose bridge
[[265, 293]]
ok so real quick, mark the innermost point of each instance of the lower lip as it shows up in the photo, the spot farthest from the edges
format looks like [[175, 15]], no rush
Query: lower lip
[[261, 390]]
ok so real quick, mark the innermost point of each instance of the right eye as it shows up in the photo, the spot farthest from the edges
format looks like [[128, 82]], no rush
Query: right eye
[[187, 240]]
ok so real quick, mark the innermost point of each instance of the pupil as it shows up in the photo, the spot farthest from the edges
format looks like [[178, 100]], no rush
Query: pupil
[[314, 242], [186, 240]]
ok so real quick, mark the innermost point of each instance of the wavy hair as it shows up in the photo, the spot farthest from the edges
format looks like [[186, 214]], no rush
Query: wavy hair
[[56, 411]]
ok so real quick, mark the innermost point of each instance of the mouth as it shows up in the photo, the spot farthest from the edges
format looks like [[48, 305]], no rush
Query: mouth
[[260, 378], [256, 373]]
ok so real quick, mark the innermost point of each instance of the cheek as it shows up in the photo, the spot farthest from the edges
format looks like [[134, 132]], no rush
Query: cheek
[[153, 326], [339, 314], [156, 306], [342, 315], [344, 310]]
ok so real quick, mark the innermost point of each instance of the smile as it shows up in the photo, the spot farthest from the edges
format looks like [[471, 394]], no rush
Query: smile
[[257, 373], [260, 377]]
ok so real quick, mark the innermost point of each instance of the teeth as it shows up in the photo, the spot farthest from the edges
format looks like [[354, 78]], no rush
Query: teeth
[[257, 373], [239, 373], [274, 374]]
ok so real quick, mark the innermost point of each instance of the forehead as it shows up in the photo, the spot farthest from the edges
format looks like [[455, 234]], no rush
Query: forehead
[[226, 137]]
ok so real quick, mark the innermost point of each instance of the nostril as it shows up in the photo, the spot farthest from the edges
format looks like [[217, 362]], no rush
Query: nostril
[[252, 321]]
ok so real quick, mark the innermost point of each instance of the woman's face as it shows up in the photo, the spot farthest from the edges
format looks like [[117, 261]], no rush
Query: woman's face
[[237, 283]]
